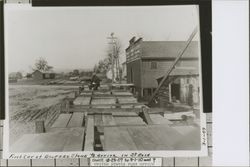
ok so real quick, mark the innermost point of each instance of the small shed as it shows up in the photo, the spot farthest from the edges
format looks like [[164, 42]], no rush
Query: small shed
[[38, 75], [49, 75]]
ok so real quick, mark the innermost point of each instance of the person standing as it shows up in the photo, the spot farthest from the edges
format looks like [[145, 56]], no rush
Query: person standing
[[95, 81]]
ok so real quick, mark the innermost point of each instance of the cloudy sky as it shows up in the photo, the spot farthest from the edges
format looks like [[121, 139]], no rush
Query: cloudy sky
[[76, 37]]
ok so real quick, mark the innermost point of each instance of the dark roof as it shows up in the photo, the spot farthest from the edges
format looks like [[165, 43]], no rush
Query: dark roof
[[36, 71], [158, 49], [134, 43], [47, 72]]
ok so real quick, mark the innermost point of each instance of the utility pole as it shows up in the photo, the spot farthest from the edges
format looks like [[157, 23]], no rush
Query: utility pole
[[113, 55]]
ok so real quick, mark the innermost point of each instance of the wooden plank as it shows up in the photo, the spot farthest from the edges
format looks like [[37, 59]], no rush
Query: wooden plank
[[142, 138], [103, 120], [102, 140], [101, 101], [82, 108], [184, 130], [122, 93], [112, 110], [76, 120], [158, 119], [124, 114], [127, 106], [82, 100], [98, 119], [102, 106], [154, 137], [75, 141], [102, 93], [190, 139], [108, 120], [116, 139], [86, 93], [178, 116], [146, 117], [129, 121], [98, 122], [103, 96], [40, 127], [70, 139], [161, 111], [139, 105], [124, 100], [129, 125], [89, 139], [62, 121]]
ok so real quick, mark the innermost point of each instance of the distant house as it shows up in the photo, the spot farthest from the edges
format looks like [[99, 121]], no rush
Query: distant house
[[28, 75], [38, 75], [14, 76]]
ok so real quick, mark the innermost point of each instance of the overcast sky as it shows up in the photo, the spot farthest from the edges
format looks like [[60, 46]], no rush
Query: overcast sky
[[71, 38]]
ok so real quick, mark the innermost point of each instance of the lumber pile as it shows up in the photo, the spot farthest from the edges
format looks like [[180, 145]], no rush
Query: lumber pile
[[82, 100]]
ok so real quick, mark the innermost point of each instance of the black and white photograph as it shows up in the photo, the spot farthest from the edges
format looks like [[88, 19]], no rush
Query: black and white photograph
[[104, 79]]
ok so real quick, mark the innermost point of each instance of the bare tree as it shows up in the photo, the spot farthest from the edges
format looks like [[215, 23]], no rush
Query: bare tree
[[103, 66], [76, 72], [42, 65]]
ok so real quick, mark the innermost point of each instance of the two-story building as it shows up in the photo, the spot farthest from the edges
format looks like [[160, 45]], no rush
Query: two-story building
[[148, 61]]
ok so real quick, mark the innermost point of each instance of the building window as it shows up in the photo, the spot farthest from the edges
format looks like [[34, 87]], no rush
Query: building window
[[153, 65]]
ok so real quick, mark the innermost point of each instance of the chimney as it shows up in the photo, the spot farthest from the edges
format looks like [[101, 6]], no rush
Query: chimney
[[132, 40]]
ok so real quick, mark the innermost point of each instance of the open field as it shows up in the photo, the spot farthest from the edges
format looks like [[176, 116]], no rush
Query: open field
[[46, 82], [29, 103]]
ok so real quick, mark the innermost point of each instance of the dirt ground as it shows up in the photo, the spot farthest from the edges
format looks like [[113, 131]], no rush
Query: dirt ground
[[29, 103]]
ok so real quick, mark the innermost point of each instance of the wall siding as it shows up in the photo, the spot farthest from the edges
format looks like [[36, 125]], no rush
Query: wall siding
[[136, 68]]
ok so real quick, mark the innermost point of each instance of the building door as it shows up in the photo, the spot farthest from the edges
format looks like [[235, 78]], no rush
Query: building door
[[175, 91]]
